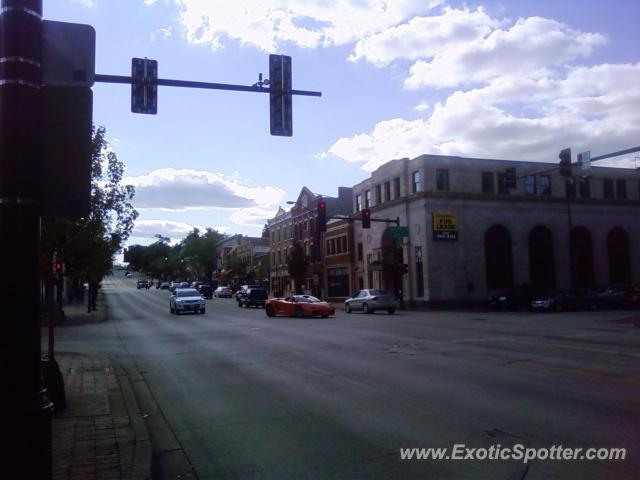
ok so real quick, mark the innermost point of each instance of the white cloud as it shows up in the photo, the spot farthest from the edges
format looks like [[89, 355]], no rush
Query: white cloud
[[269, 24], [389, 140], [422, 107], [162, 33], [596, 108], [179, 189], [529, 48], [425, 37], [148, 229], [252, 217], [86, 3]]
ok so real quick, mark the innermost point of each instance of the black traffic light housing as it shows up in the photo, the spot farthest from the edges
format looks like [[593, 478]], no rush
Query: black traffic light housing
[[144, 90], [510, 177], [280, 95], [565, 162], [366, 218], [321, 220]]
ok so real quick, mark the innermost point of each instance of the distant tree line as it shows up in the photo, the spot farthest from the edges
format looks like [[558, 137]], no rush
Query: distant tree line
[[193, 258]]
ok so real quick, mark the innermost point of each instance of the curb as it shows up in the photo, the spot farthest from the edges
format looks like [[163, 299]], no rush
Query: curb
[[143, 450]]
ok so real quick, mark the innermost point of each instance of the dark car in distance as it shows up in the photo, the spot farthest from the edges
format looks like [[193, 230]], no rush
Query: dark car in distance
[[619, 296], [206, 291], [143, 284], [562, 300], [253, 297], [242, 291], [518, 297]]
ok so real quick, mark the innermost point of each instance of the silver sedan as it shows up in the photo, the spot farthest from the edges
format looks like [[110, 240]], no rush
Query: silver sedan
[[370, 300]]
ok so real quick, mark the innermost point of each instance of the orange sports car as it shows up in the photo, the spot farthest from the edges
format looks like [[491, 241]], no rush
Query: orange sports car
[[298, 306]]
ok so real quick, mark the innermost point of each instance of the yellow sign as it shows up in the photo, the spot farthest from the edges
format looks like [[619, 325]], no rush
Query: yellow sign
[[445, 226], [445, 221]]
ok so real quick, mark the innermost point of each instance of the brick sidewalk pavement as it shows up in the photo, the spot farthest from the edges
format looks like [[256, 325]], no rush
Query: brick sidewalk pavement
[[93, 438], [101, 434]]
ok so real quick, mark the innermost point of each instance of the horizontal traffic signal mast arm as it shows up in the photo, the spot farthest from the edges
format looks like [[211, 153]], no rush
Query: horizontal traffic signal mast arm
[[371, 219], [616, 154], [205, 85], [593, 159]]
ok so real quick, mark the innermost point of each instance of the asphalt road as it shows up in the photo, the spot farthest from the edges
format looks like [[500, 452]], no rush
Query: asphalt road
[[233, 394]]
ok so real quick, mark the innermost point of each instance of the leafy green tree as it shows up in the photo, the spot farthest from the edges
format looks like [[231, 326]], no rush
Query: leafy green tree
[[87, 245], [199, 252], [298, 264]]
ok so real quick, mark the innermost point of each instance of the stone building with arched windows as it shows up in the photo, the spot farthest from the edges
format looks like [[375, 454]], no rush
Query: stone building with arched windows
[[474, 229]]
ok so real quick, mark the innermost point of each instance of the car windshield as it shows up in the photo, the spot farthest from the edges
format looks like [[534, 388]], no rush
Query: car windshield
[[187, 292], [306, 298]]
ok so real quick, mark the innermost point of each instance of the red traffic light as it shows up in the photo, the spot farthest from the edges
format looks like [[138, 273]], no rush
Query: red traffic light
[[366, 218], [321, 220], [57, 266]]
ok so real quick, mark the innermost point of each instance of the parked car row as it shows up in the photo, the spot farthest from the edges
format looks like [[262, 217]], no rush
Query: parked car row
[[544, 299]]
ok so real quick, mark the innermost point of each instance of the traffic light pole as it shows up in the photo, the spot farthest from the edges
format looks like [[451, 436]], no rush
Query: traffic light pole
[[24, 407], [123, 79]]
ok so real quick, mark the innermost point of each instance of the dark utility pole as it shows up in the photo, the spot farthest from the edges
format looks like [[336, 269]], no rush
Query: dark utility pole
[[24, 408]]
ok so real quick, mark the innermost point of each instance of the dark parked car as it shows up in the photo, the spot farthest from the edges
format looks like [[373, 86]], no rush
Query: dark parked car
[[143, 284], [243, 290], [253, 297], [576, 299], [619, 296], [206, 291], [518, 297]]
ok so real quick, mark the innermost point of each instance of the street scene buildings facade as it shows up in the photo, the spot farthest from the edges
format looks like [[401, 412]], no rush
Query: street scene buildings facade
[[472, 227]]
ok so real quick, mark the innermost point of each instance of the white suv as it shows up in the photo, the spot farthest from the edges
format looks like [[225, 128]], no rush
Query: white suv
[[186, 300]]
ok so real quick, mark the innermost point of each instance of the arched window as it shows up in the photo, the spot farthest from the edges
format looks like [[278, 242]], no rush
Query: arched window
[[619, 260], [541, 257], [498, 257], [581, 258]]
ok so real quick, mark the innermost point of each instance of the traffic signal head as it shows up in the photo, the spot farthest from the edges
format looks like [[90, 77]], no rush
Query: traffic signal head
[[280, 95], [510, 177], [321, 219], [565, 162], [57, 267], [144, 90], [366, 218]]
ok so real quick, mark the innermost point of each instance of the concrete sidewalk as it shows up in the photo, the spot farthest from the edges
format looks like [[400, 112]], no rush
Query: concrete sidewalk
[[101, 434]]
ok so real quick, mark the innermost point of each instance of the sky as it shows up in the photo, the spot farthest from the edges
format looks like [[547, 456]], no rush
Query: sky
[[517, 80]]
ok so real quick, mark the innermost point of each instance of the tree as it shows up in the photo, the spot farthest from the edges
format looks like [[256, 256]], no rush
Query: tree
[[199, 251], [86, 246], [298, 264]]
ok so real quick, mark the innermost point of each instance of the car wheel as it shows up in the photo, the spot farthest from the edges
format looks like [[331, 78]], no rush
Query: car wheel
[[391, 311], [365, 308], [347, 308], [269, 311], [171, 310], [202, 311], [325, 316], [239, 305], [299, 312]]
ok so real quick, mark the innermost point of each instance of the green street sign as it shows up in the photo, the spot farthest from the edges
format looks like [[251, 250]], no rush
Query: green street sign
[[399, 232]]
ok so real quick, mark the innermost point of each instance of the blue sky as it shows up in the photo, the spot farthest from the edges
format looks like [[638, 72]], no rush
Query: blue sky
[[512, 79]]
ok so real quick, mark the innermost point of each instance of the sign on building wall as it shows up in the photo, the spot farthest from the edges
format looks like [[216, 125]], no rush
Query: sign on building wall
[[445, 226]]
